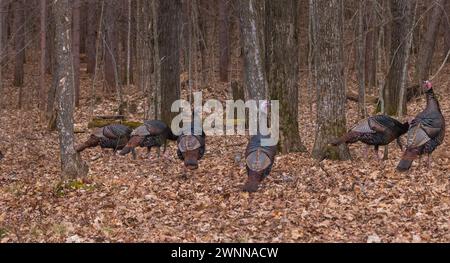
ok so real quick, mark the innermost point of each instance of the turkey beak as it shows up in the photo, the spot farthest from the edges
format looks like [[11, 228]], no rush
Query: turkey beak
[[191, 159]]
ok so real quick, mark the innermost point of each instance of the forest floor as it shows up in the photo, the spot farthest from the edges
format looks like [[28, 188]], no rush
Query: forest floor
[[126, 200]]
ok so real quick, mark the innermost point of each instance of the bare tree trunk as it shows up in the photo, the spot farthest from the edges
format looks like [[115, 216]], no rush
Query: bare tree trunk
[[92, 25], [402, 12], [96, 59], [252, 34], [156, 59], [224, 41], [51, 111], [43, 34], [71, 164], [331, 97], [203, 36], [168, 28], [76, 48], [189, 52], [426, 51], [19, 44], [447, 29], [49, 41], [83, 26], [282, 65], [371, 45], [128, 43], [361, 63], [111, 49], [2, 21]]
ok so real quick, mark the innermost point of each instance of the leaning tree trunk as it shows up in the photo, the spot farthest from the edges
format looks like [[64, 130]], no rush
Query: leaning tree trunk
[[402, 12], [169, 25], [426, 51], [224, 42], [252, 33], [282, 67], [19, 43], [71, 164], [331, 97]]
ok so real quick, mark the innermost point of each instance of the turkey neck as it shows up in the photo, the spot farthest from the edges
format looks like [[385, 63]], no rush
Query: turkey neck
[[432, 103]]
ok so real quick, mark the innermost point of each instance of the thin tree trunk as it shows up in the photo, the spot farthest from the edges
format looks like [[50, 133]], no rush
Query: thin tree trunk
[[76, 48], [282, 65], [92, 26], [224, 41], [331, 96], [426, 51], [156, 59], [2, 21], [110, 41], [361, 61], [190, 53], [128, 43], [447, 30], [251, 16], [43, 33], [96, 59], [371, 45], [19, 44], [71, 164]]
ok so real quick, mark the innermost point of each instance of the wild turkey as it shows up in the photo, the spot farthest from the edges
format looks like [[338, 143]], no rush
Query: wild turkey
[[114, 136], [376, 130], [259, 160], [152, 133], [191, 147], [426, 132]]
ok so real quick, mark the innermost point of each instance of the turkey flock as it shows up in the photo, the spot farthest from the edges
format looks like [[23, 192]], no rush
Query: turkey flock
[[425, 133]]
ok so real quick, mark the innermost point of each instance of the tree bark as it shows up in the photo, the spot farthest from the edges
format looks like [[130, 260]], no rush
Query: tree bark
[[447, 30], [331, 97], [43, 33], [402, 12], [2, 21], [76, 49], [19, 43], [252, 34], [282, 67], [111, 45], [371, 49], [169, 25], [361, 63], [224, 42], [71, 164], [92, 25], [426, 51]]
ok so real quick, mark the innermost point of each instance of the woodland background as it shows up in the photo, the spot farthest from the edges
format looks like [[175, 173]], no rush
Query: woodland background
[[134, 57]]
